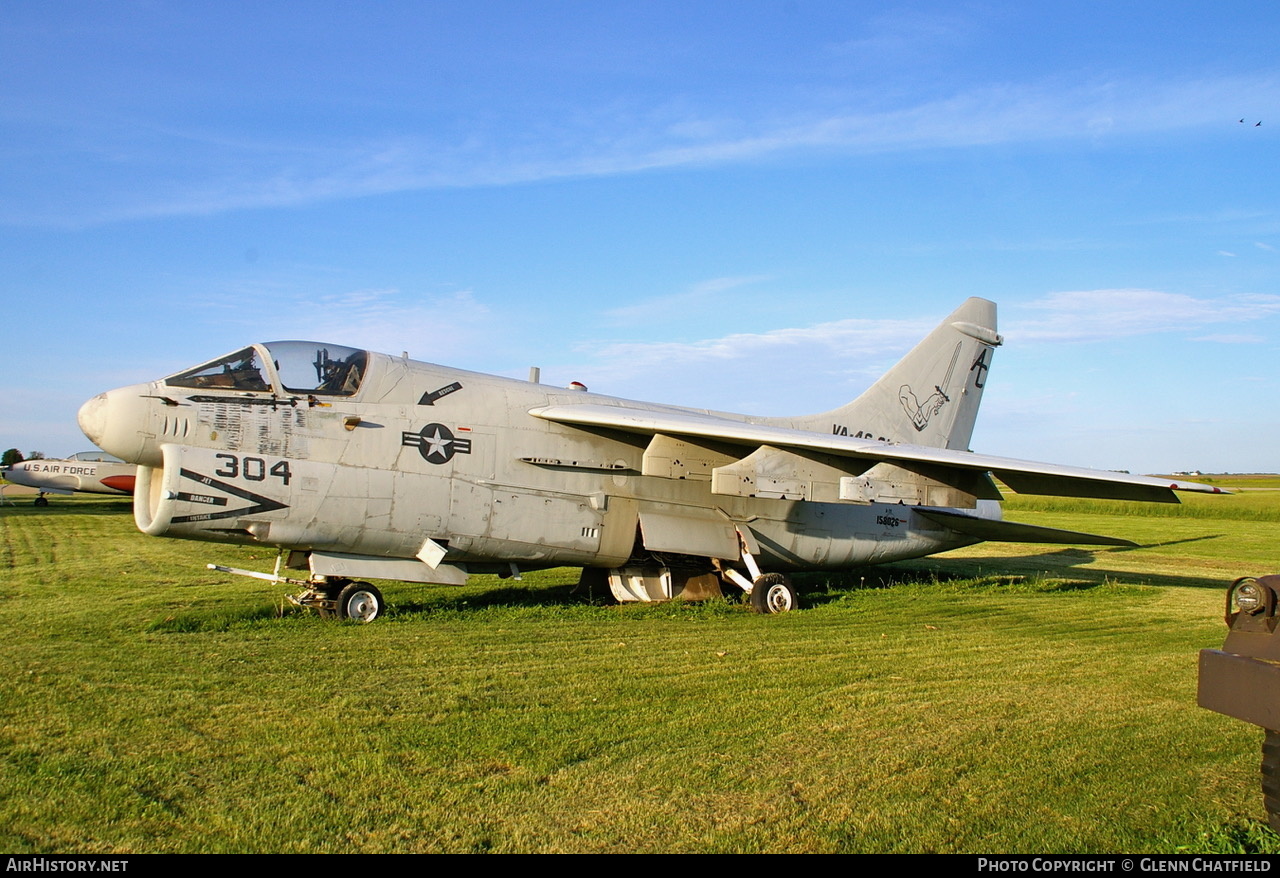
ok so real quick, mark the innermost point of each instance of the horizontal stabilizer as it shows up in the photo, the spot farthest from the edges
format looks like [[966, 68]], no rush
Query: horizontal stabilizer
[[1076, 486], [1013, 532]]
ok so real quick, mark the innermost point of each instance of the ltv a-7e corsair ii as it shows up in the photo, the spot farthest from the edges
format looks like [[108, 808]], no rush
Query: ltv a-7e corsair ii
[[358, 465]]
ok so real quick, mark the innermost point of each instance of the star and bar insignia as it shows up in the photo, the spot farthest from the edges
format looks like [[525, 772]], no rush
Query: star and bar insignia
[[436, 443]]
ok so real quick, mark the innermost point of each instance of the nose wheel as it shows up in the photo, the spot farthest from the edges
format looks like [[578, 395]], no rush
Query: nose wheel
[[332, 598], [343, 599], [360, 602]]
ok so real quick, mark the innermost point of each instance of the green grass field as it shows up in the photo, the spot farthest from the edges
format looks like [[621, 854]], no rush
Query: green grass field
[[996, 699]]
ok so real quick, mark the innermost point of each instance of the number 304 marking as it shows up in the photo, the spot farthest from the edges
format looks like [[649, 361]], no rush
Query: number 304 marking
[[253, 469]]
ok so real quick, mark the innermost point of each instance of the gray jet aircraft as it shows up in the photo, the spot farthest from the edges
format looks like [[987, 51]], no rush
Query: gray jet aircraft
[[89, 472], [362, 465]]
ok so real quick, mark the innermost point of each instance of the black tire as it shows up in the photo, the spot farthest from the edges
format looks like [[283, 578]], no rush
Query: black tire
[[331, 590], [42, 501], [773, 593], [1271, 777], [360, 602]]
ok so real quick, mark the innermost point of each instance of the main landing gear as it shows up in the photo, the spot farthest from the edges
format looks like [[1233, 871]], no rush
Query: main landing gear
[[654, 577], [769, 592], [773, 593]]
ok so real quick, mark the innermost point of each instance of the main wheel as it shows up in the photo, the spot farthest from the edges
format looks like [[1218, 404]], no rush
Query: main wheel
[[360, 601], [1271, 777], [41, 501], [773, 593]]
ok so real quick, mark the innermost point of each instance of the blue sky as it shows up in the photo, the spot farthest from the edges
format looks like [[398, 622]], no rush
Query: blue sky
[[751, 206]]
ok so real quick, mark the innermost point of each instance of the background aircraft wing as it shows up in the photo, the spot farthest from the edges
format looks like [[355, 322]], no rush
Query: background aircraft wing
[[1021, 476]]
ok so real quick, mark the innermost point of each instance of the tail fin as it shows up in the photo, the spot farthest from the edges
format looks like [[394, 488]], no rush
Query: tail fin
[[931, 396]]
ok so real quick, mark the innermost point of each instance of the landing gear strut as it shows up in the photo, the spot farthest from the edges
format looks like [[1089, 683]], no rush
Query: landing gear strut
[[331, 597], [341, 599], [770, 592], [773, 593]]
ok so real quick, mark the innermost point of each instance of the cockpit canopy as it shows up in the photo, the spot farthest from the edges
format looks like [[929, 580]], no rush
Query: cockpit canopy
[[282, 367], [95, 456]]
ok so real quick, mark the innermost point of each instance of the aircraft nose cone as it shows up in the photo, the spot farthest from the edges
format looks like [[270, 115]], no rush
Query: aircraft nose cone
[[92, 418], [120, 423]]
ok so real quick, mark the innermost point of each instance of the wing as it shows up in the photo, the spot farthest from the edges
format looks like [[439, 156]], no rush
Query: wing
[[998, 530], [857, 456]]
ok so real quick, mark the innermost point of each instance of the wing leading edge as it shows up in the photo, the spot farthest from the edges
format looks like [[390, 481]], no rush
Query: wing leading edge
[[1021, 476]]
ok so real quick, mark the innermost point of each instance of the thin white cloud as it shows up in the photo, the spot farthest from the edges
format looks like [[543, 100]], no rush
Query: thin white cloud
[[783, 371], [824, 364], [1093, 315], [1088, 315], [604, 142], [1226, 253], [844, 338], [664, 307], [433, 327], [1226, 338], [1261, 246], [904, 35]]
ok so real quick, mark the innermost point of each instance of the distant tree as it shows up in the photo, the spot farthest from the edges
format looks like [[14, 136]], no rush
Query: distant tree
[[11, 457], [35, 455]]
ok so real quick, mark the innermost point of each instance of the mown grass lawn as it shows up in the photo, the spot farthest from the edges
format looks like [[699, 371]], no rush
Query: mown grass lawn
[[997, 699]]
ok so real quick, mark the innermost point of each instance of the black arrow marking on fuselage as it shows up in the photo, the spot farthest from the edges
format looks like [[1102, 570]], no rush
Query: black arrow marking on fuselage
[[264, 504], [430, 397]]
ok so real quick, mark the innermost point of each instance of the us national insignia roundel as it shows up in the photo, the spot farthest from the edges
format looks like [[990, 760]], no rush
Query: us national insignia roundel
[[436, 443]]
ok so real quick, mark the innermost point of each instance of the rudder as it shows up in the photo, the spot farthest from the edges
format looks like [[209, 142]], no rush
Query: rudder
[[931, 396]]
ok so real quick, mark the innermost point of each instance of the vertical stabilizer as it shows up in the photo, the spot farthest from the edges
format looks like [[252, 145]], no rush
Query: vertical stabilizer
[[931, 396]]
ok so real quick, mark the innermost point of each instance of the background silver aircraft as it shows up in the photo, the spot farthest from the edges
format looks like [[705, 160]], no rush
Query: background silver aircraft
[[89, 472], [368, 465]]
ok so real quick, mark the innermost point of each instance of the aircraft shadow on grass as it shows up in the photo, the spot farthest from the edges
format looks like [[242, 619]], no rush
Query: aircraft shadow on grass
[[1059, 563], [816, 589]]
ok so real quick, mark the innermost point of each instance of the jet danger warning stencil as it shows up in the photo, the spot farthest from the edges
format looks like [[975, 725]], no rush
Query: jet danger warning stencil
[[436, 443], [257, 503]]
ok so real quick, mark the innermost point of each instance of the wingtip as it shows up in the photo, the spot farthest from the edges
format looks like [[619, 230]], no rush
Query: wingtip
[[1199, 488]]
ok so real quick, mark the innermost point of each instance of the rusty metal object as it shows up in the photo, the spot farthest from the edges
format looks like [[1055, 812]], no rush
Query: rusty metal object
[[1242, 679]]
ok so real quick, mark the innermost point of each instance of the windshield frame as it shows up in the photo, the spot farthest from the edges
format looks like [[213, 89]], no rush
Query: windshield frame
[[245, 370], [310, 369]]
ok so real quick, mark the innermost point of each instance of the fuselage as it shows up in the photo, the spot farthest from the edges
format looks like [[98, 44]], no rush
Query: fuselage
[[89, 472], [324, 448]]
